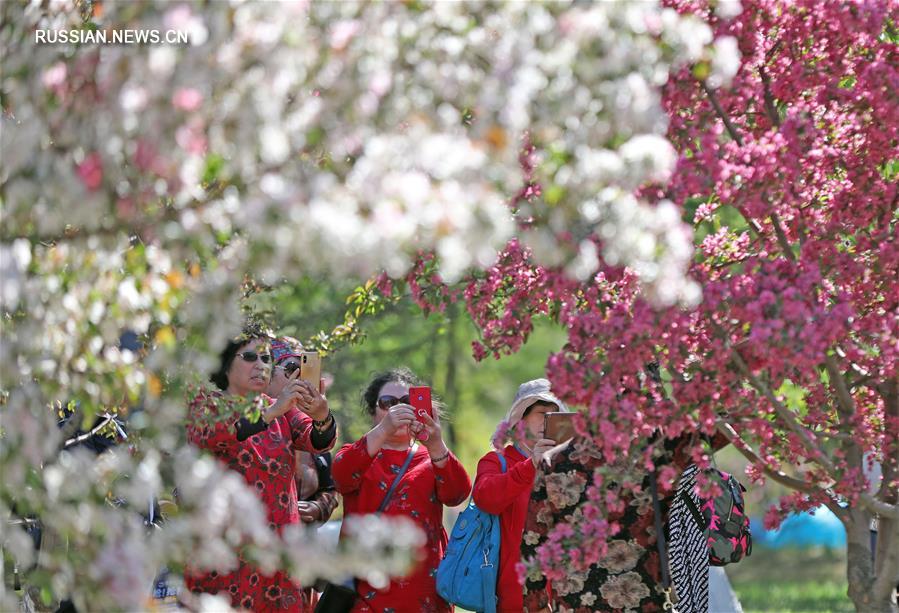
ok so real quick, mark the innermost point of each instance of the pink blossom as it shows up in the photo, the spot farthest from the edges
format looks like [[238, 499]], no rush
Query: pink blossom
[[90, 171], [343, 33], [187, 99], [54, 78]]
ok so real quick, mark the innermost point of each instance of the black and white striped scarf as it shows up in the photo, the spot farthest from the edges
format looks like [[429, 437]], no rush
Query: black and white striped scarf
[[688, 554]]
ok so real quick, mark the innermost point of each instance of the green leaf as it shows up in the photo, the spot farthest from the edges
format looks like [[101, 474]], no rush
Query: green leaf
[[890, 170], [212, 168], [554, 194], [890, 32], [314, 137], [702, 70], [847, 82], [793, 395]]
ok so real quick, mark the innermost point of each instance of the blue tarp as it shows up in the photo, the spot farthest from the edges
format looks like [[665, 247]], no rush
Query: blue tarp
[[819, 528]]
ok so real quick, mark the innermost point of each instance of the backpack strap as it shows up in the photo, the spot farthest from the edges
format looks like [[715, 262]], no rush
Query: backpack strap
[[488, 579], [488, 585], [399, 476], [502, 460], [694, 511]]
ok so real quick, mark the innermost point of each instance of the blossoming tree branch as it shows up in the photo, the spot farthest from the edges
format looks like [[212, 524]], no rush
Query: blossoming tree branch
[[530, 159]]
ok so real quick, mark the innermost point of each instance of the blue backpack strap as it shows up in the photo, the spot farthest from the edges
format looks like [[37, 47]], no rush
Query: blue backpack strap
[[502, 460], [488, 584]]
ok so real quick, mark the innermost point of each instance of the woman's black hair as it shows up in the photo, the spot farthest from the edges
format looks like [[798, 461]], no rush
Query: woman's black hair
[[251, 332], [401, 374]]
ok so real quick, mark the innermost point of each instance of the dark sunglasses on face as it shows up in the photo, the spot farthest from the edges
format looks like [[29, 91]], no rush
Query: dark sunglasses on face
[[385, 402], [252, 356]]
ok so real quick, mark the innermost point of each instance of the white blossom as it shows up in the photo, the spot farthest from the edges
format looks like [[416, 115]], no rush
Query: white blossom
[[725, 61]]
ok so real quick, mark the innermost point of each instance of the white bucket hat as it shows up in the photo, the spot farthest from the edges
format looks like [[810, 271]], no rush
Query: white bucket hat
[[529, 393]]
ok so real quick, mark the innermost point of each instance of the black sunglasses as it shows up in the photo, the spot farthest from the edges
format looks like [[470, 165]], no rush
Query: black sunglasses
[[252, 356], [385, 402], [289, 368]]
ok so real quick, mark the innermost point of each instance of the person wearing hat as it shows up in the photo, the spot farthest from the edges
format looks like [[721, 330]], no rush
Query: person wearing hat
[[506, 494], [286, 354]]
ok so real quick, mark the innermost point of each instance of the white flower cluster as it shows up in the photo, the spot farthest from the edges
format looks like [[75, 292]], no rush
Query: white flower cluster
[[387, 539], [401, 195]]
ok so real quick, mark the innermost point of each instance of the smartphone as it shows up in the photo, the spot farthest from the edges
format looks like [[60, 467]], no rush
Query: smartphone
[[420, 399], [311, 368], [558, 426]]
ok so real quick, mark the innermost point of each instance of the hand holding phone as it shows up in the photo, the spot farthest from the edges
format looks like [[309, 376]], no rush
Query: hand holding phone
[[427, 428]]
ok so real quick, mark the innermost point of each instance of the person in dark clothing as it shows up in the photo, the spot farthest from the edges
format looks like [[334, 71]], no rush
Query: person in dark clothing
[[317, 496]]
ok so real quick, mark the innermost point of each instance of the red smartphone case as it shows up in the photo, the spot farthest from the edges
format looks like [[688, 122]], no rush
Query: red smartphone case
[[420, 399]]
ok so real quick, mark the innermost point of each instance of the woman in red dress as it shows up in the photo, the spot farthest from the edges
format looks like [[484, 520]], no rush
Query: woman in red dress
[[363, 472], [263, 452]]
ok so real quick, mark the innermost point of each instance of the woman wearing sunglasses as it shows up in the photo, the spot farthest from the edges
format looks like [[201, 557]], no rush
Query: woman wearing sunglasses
[[298, 419], [365, 470]]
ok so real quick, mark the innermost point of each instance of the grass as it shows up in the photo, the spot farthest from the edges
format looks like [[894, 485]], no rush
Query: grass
[[790, 597], [792, 580]]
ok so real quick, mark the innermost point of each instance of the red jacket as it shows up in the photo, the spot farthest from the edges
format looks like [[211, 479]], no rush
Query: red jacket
[[424, 489], [506, 494]]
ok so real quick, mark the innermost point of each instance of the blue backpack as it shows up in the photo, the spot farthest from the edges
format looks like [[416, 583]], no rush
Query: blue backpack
[[467, 575]]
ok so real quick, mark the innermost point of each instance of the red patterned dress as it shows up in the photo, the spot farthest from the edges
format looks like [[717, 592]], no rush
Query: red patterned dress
[[424, 489], [266, 460]]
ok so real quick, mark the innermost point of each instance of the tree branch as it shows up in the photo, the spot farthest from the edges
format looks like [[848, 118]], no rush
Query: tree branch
[[719, 110], [782, 236], [881, 508], [732, 131], [783, 412], [836, 509], [888, 492], [83, 437], [770, 108], [71, 426], [862, 381], [844, 398], [886, 559], [869, 502], [721, 265], [863, 375], [784, 479]]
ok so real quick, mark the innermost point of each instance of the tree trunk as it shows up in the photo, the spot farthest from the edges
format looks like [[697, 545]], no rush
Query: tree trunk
[[860, 569], [453, 354]]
